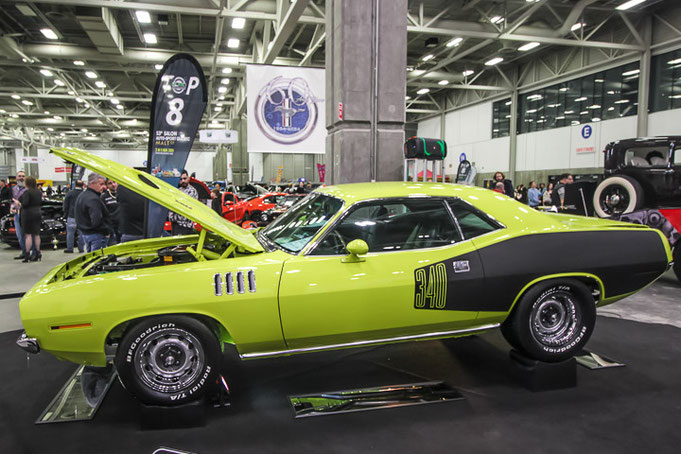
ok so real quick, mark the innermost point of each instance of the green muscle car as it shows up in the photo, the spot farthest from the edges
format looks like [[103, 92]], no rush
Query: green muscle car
[[349, 266]]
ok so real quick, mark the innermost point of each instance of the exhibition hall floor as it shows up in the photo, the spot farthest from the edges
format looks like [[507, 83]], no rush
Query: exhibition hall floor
[[632, 409]]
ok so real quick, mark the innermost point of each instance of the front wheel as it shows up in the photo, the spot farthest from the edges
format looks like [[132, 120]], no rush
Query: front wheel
[[552, 321], [168, 360], [617, 195]]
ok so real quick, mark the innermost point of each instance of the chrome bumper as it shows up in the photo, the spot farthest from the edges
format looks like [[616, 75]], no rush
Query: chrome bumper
[[28, 343]]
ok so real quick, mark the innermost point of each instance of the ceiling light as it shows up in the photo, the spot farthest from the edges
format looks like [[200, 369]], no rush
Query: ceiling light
[[50, 129], [224, 81], [622, 101], [58, 82], [83, 130], [91, 74], [219, 104], [599, 81], [26, 102], [553, 106], [583, 98], [568, 112], [584, 112], [563, 89], [577, 26], [79, 99], [407, 98], [594, 106], [57, 117], [467, 72], [532, 111], [221, 98], [631, 3], [158, 67], [143, 17], [610, 109], [238, 22], [46, 112], [222, 89], [423, 91], [78, 62], [454, 42], [16, 97], [631, 73], [150, 38], [676, 61], [233, 43], [226, 70], [428, 57], [443, 82], [534, 97], [560, 118], [595, 119], [496, 19], [528, 46], [46, 72], [49, 33], [100, 84], [86, 105], [70, 92], [114, 101], [119, 106], [217, 109], [3, 111], [14, 115], [508, 103], [494, 61]]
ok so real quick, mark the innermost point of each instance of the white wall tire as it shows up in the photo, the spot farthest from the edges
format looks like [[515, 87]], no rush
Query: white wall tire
[[617, 195]]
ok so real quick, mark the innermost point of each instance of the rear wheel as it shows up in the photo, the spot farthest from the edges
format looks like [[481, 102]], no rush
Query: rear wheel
[[168, 360], [617, 195], [552, 321]]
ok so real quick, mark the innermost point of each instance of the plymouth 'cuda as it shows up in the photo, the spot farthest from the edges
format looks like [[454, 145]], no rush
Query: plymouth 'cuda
[[349, 266]]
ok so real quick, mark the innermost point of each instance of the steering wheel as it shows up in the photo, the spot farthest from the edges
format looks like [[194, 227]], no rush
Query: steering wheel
[[338, 240]]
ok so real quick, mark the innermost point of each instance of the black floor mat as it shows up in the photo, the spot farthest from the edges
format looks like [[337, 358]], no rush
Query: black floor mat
[[632, 409]]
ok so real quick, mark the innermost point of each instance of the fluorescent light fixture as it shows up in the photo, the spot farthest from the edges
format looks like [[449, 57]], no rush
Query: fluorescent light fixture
[[443, 82], [143, 17], [610, 109], [631, 73], [226, 70], [528, 46], [16, 97], [238, 22], [563, 89], [560, 118], [79, 62], [599, 81], [507, 116], [568, 112], [91, 74], [577, 26], [221, 98], [531, 111], [57, 117], [423, 91], [676, 61], [114, 101], [26, 102], [428, 57], [574, 122], [225, 81], [46, 72], [50, 129], [158, 67], [70, 92], [583, 98], [79, 99], [595, 119], [222, 89], [454, 42], [534, 97], [233, 43], [407, 98], [494, 61], [46, 112], [150, 38], [508, 103], [584, 112], [14, 115], [496, 19], [119, 106], [219, 104], [622, 101], [49, 33], [594, 106], [217, 109], [3, 111], [467, 72], [553, 106], [58, 82], [630, 4], [100, 84], [83, 130]]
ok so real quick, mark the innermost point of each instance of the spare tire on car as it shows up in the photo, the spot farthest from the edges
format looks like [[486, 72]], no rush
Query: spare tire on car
[[617, 195]]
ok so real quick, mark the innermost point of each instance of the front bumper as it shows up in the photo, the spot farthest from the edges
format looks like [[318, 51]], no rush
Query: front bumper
[[28, 344]]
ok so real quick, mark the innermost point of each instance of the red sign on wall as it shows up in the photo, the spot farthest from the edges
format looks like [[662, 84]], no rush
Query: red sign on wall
[[62, 169], [340, 110]]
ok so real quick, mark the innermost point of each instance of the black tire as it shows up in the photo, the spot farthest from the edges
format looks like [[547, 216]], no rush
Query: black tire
[[617, 195], [255, 216], [677, 260], [552, 321], [193, 346]]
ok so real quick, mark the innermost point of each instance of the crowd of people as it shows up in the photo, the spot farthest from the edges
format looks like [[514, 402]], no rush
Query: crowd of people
[[534, 195]]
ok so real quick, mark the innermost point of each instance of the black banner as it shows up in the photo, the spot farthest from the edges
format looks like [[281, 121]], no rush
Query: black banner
[[77, 173], [463, 172], [176, 109]]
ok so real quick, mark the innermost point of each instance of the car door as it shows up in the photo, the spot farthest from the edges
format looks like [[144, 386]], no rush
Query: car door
[[419, 277]]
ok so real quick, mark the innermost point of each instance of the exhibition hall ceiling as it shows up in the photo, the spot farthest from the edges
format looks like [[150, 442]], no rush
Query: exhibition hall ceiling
[[82, 71]]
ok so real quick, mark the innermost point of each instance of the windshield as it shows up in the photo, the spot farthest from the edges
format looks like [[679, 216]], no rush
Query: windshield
[[297, 226]]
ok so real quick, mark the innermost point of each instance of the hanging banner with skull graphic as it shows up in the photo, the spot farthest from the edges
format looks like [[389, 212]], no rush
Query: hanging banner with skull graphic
[[285, 109], [177, 107]]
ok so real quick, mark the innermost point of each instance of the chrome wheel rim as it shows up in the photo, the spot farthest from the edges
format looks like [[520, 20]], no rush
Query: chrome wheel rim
[[553, 321], [615, 199], [170, 360]]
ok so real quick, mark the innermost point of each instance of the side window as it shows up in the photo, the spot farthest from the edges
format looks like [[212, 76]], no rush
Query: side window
[[393, 225], [646, 156], [472, 222]]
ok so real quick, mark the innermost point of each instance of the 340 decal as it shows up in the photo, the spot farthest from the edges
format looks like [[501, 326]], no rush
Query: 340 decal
[[431, 287]]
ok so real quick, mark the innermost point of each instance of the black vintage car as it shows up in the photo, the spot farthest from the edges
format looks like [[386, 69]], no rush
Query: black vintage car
[[53, 226], [640, 173]]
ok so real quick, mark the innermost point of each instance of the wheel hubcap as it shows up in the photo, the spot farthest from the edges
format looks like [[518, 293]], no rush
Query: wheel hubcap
[[554, 319], [169, 360], [614, 200]]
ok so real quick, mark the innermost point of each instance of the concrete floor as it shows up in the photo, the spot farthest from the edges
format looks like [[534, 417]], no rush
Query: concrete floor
[[660, 303]]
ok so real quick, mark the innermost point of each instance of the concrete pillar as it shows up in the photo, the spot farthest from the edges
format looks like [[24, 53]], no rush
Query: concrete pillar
[[513, 136], [644, 79], [366, 60], [240, 166]]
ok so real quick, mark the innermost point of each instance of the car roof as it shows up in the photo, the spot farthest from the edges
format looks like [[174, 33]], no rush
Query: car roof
[[355, 192], [646, 141]]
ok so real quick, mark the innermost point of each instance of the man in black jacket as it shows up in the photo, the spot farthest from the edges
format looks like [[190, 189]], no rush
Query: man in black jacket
[[70, 213], [5, 198], [111, 203], [131, 208], [92, 216]]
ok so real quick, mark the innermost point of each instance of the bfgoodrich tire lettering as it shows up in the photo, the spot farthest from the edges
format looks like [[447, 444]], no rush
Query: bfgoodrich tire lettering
[[552, 321], [168, 360]]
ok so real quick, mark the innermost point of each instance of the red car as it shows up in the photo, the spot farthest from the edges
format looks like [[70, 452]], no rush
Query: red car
[[255, 206], [233, 209]]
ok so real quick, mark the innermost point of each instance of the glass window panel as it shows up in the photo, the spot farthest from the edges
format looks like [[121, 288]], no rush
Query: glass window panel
[[472, 222]]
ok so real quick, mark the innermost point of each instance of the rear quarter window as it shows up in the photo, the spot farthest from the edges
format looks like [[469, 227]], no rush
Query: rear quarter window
[[472, 221]]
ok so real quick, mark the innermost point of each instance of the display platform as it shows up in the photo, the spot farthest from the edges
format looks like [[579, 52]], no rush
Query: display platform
[[627, 409]]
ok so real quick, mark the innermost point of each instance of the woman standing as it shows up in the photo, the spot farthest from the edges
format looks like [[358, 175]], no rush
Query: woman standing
[[30, 202]]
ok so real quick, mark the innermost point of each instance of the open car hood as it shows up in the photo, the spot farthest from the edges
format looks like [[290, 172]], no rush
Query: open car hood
[[164, 194]]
